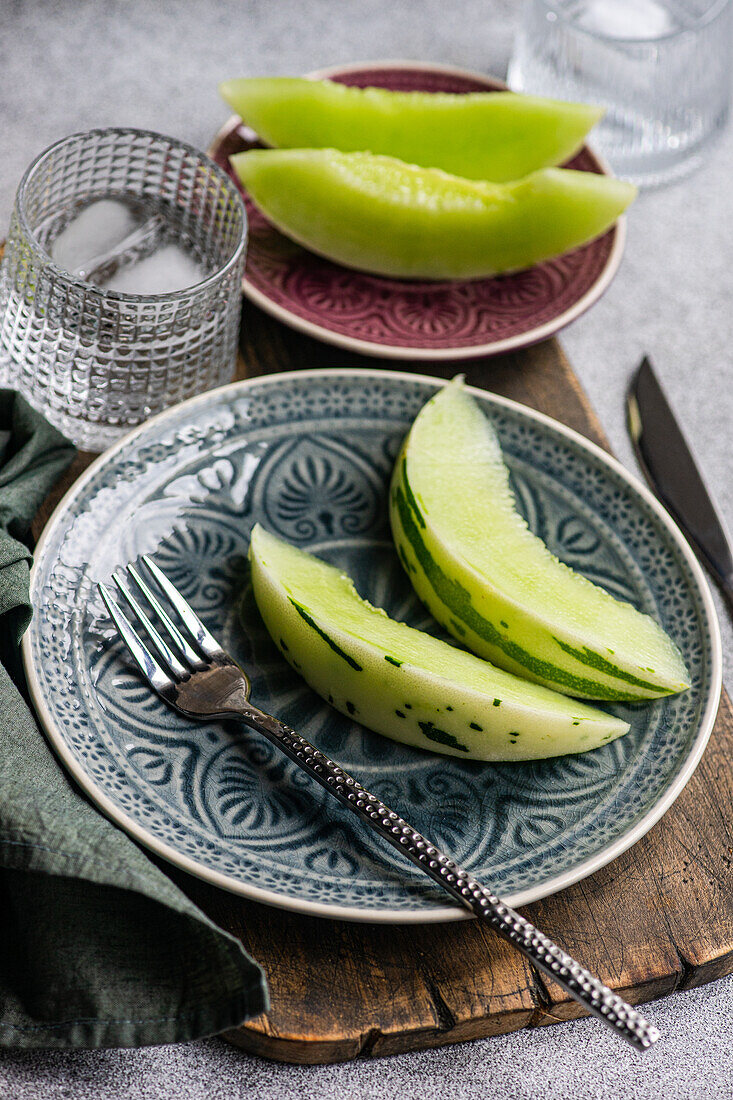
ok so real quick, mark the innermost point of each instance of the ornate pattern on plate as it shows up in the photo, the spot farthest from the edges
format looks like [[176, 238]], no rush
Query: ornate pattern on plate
[[403, 313], [311, 456]]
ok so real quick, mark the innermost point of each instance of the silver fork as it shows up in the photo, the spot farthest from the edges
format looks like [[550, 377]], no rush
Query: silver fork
[[191, 671]]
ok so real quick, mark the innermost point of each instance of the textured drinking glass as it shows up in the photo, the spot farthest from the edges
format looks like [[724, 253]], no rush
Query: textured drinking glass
[[661, 68], [95, 361]]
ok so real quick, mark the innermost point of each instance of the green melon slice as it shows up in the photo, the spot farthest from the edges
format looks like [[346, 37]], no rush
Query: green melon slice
[[401, 682], [496, 136], [494, 584], [378, 214]]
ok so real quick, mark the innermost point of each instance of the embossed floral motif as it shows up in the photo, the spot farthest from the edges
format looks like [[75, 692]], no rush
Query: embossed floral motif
[[576, 537], [205, 561], [325, 291], [336, 857], [318, 486], [315, 487], [251, 790]]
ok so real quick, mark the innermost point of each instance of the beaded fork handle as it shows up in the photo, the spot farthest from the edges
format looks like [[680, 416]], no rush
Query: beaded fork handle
[[592, 994]]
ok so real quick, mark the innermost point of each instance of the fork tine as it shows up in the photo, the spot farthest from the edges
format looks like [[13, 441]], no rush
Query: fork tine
[[208, 644], [165, 651], [149, 667], [193, 658]]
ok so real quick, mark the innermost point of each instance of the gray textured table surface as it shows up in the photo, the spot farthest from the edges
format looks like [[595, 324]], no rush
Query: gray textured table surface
[[72, 64]]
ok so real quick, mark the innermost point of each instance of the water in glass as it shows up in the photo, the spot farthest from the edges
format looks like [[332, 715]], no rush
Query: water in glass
[[661, 68], [120, 287]]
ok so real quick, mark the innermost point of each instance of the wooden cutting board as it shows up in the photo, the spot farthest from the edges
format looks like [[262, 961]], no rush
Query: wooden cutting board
[[659, 918]]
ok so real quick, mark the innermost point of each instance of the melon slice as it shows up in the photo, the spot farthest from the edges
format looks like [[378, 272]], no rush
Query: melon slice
[[378, 214], [496, 136], [402, 682], [494, 584]]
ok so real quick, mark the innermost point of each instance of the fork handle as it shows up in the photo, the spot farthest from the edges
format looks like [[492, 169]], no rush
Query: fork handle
[[592, 994]]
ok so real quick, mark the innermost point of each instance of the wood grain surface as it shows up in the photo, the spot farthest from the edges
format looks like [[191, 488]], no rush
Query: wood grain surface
[[657, 919]]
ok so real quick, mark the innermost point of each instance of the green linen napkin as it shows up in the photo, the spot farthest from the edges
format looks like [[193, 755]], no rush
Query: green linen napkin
[[97, 946]]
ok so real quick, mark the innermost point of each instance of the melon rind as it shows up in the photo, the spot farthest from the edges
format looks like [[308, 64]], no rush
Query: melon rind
[[494, 584], [402, 682]]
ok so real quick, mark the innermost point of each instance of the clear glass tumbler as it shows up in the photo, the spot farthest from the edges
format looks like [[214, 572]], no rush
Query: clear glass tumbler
[[661, 68], [95, 361]]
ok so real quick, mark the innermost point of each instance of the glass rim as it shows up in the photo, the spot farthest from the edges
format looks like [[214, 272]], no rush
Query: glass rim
[[119, 295], [714, 11]]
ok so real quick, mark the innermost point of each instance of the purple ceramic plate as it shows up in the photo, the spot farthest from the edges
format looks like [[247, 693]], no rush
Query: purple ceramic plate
[[403, 319]]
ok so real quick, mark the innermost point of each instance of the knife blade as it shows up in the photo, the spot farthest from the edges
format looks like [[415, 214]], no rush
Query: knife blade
[[670, 468]]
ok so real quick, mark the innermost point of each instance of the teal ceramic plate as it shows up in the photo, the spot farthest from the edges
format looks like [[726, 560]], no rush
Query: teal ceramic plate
[[309, 455]]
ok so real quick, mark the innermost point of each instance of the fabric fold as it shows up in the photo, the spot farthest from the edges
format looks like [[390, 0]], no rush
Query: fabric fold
[[97, 946]]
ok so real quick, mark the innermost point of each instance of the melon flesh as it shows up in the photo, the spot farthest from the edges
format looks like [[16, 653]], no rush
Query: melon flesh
[[496, 136], [494, 584], [402, 682], [378, 214]]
